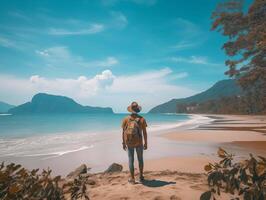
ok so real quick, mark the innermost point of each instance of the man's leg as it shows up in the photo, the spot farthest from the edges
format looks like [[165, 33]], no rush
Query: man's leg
[[139, 151], [130, 151]]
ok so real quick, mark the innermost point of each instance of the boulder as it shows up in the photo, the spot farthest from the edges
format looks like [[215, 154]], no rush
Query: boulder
[[82, 169], [87, 175], [115, 167]]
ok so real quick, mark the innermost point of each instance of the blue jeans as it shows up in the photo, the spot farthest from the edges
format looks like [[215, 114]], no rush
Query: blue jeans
[[139, 151]]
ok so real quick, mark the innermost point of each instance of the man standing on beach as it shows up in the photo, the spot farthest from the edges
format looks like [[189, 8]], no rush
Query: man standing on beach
[[134, 130]]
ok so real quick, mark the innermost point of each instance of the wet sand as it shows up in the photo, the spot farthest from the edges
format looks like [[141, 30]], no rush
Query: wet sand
[[248, 132]]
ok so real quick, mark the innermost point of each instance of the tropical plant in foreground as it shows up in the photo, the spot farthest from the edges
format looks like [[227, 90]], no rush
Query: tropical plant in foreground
[[18, 183], [245, 178]]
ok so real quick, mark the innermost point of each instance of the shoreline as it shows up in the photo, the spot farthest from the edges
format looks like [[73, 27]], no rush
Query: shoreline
[[232, 130]]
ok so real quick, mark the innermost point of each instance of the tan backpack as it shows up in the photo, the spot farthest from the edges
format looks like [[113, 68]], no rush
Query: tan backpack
[[132, 132]]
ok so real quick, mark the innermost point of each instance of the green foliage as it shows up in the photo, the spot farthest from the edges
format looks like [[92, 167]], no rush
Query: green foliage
[[225, 105], [246, 46], [17, 182], [246, 178]]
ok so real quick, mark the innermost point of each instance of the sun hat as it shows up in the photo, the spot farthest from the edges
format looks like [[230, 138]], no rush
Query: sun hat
[[134, 107]]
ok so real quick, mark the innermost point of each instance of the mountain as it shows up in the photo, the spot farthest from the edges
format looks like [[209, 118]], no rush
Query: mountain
[[45, 103], [4, 107], [223, 88]]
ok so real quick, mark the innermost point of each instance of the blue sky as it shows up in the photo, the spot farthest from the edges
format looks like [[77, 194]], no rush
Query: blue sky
[[108, 52]]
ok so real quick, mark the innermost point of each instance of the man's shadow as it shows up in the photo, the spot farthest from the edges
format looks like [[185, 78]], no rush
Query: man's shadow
[[156, 183]]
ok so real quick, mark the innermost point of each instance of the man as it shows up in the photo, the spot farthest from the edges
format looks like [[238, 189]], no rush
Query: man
[[134, 129]]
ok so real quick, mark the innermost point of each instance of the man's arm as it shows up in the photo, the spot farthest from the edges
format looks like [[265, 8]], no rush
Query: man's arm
[[144, 125], [123, 139], [145, 138]]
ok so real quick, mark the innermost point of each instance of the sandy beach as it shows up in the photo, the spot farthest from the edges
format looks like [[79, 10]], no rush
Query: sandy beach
[[183, 177], [244, 131]]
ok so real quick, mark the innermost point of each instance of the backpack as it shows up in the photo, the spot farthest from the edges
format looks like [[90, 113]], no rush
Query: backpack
[[132, 132]]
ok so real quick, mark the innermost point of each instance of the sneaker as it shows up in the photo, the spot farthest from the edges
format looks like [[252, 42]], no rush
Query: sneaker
[[132, 181], [141, 179]]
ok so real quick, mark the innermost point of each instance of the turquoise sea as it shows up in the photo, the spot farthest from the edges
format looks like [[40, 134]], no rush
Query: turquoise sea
[[50, 140], [19, 126]]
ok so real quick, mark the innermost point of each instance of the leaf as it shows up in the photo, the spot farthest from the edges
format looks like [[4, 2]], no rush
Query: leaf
[[208, 168], [57, 178], [206, 195], [221, 153], [260, 169], [13, 189], [34, 171], [222, 161], [262, 158]]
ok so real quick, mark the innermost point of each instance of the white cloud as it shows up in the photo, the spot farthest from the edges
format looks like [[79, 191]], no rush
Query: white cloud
[[57, 53], [180, 75], [59, 56], [148, 88], [35, 79], [12, 42], [5, 42], [80, 87], [184, 45], [191, 34], [119, 19], [104, 89], [89, 29], [146, 82], [19, 15], [187, 28], [201, 60]]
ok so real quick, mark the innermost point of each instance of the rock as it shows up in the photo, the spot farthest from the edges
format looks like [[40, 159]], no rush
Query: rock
[[114, 168], [82, 169], [87, 175]]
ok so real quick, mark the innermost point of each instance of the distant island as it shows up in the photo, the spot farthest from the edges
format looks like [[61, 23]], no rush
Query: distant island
[[4, 107], [43, 103], [214, 100]]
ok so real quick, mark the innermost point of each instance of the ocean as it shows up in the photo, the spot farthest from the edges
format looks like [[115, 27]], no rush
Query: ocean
[[40, 138]]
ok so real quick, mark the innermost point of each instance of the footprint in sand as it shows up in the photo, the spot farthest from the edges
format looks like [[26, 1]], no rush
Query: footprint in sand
[[124, 198], [159, 198], [198, 186], [147, 193], [173, 197]]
